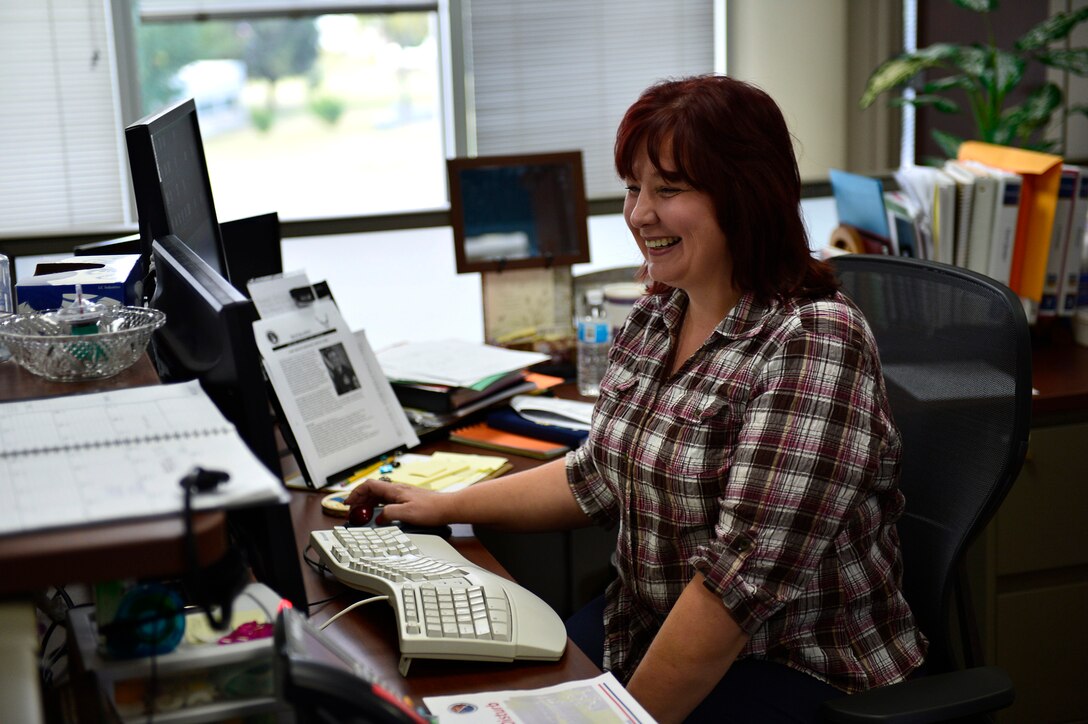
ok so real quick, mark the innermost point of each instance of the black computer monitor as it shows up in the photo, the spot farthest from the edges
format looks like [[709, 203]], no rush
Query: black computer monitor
[[252, 247], [171, 183], [208, 336]]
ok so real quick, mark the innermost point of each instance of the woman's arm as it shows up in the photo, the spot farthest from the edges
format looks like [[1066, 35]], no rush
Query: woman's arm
[[538, 499], [690, 654]]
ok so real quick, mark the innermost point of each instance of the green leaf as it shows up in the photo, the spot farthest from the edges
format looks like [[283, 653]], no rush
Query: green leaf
[[973, 59], [947, 83], [1010, 70], [1079, 108], [942, 104], [1055, 27], [1042, 146], [902, 68], [1020, 121], [979, 6], [1005, 131], [1042, 102], [950, 145], [997, 70], [1075, 61]]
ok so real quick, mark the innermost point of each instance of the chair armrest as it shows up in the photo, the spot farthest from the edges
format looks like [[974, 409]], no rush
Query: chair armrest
[[935, 698]]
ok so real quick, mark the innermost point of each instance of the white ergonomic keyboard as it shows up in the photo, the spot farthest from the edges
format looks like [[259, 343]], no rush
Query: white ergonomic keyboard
[[446, 607]]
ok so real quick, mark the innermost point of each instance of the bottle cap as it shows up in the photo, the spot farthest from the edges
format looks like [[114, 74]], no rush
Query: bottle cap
[[594, 296], [83, 315]]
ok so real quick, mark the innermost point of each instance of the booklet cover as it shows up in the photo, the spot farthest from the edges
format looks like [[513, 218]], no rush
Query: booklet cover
[[339, 407], [602, 699]]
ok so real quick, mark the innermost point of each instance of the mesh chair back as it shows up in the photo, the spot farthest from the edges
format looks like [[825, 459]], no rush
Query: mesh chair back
[[956, 354]]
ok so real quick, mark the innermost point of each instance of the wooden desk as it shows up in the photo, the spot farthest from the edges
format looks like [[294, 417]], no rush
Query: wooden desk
[[104, 551], [1060, 375], [370, 632]]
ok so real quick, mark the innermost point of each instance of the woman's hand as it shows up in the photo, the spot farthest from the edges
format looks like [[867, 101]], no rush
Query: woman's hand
[[405, 503]]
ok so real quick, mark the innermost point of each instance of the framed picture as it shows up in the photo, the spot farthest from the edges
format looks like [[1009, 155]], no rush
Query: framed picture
[[518, 212]]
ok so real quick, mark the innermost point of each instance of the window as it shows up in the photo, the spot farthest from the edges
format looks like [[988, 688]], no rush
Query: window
[[309, 115], [558, 75], [352, 112]]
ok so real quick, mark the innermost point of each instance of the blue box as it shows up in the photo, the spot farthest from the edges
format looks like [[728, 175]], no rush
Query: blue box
[[111, 280]]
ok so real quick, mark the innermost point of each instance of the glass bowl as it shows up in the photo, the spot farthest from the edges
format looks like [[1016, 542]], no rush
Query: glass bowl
[[43, 342]]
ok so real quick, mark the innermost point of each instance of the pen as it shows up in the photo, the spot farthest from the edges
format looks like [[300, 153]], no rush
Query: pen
[[369, 469]]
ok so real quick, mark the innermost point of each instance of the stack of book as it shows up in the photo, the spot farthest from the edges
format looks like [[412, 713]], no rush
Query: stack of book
[[1017, 216], [440, 383], [483, 435], [445, 399]]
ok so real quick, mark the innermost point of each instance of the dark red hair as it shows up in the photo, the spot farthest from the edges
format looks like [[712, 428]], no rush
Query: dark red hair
[[729, 140]]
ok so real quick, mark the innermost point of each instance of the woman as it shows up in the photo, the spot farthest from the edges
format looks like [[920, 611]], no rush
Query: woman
[[742, 439]]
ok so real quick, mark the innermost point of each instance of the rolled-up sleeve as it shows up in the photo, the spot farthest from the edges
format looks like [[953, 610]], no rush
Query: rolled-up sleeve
[[595, 497]]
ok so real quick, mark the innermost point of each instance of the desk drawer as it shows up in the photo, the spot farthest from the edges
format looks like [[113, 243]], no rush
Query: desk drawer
[[1042, 635], [1043, 524]]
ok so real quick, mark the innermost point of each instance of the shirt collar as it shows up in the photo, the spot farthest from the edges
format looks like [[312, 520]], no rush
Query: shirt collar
[[746, 319]]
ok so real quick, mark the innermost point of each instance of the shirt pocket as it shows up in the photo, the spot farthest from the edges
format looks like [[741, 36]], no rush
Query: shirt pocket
[[617, 391], [615, 418], [703, 435]]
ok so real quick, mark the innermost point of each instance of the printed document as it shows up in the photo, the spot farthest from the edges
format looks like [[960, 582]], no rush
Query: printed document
[[602, 700], [341, 410], [452, 362], [572, 414]]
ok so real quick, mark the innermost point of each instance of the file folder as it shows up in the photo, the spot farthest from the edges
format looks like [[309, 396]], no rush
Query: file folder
[[1041, 174]]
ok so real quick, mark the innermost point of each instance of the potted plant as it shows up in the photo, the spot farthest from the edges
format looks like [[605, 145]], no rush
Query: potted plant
[[987, 74]]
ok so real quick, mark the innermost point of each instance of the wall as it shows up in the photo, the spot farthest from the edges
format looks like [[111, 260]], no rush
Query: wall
[[797, 52]]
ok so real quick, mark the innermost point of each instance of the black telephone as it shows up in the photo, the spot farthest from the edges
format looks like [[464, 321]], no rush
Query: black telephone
[[324, 683]]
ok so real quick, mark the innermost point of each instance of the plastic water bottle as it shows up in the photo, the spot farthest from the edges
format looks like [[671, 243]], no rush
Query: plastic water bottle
[[594, 339], [7, 300]]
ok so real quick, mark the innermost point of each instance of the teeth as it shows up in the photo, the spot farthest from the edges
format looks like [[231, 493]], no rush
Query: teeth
[[663, 242]]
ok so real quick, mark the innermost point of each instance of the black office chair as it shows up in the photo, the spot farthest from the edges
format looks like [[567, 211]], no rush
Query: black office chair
[[956, 354]]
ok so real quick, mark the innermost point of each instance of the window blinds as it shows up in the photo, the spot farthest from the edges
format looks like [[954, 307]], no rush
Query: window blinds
[[62, 154], [558, 75], [163, 10]]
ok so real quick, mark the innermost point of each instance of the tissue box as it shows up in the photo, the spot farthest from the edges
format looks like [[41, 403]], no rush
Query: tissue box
[[111, 280]]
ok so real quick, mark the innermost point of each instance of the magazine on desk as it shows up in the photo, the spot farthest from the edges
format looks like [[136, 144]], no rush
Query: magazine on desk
[[340, 408], [120, 455], [601, 699]]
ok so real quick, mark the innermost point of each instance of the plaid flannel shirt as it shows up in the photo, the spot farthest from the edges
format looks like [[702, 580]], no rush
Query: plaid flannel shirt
[[769, 463]]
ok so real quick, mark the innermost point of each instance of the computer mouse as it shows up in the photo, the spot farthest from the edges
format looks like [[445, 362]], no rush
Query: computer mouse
[[361, 515]]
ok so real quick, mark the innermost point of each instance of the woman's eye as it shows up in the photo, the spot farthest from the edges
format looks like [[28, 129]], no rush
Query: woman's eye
[[668, 191], [633, 190]]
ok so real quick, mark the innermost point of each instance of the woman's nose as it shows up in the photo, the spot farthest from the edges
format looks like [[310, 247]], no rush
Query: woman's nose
[[642, 211]]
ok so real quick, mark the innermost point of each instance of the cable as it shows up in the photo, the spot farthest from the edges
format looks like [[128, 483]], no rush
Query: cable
[[202, 480], [323, 601], [64, 594], [315, 564], [352, 607]]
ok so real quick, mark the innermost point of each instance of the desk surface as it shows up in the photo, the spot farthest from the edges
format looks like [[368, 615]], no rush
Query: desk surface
[[370, 632], [1060, 374], [100, 552]]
